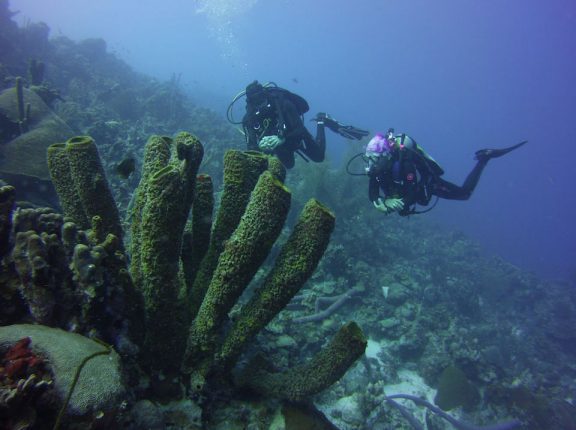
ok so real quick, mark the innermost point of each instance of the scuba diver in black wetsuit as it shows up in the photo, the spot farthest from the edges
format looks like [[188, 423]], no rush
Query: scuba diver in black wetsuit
[[273, 123], [408, 176]]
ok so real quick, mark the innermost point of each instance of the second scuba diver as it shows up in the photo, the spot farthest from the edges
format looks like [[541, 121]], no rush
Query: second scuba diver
[[407, 176], [273, 123]]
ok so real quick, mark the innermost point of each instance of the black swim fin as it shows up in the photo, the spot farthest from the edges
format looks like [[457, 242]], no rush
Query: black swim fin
[[351, 132], [488, 154], [347, 131]]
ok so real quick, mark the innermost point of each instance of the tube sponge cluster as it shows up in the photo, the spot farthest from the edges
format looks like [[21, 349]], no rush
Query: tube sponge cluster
[[161, 208], [241, 172], [295, 264], [78, 176], [189, 272], [253, 210], [243, 254]]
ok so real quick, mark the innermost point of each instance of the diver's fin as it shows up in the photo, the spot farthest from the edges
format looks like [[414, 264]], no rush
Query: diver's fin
[[488, 154], [351, 132], [347, 131]]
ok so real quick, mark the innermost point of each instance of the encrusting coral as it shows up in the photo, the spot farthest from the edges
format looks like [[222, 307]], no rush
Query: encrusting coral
[[24, 381], [67, 280], [170, 309], [68, 276]]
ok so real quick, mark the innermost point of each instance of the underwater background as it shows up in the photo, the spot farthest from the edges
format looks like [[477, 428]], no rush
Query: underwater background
[[456, 75], [471, 306]]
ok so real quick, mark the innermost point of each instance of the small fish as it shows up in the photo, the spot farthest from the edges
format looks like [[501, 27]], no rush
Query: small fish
[[126, 167], [295, 80]]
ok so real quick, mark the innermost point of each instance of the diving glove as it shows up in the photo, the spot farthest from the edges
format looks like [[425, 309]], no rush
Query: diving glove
[[347, 131], [389, 205], [270, 143]]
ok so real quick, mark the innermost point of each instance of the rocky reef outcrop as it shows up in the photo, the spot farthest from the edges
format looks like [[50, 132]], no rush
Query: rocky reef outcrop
[[165, 305]]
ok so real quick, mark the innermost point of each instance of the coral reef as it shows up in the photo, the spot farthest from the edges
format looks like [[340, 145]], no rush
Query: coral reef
[[427, 297], [68, 277], [508, 425], [76, 278], [432, 299]]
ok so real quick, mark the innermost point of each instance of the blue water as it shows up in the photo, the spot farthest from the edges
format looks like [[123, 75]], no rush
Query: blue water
[[457, 75]]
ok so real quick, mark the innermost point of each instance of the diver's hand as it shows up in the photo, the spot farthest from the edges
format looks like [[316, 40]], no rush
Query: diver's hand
[[269, 143], [379, 204], [327, 120], [395, 205], [389, 205]]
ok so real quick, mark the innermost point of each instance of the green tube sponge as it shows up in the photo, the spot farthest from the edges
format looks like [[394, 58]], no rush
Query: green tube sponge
[[272, 163], [165, 196], [156, 156], [241, 172], [277, 168], [197, 234], [159, 257], [189, 153], [323, 370], [91, 185], [243, 254], [157, 235], [61, 176], [295, 264]]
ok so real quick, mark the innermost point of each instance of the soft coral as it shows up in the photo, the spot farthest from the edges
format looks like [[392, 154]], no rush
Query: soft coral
[[19, 360]]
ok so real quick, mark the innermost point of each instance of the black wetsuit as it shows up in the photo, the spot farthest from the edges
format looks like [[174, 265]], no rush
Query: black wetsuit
[[279, 116], [412, 175]]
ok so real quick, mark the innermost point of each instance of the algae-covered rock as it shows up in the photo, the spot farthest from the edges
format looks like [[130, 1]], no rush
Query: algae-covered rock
[[25, 154], [455, 390], [99, 387]]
